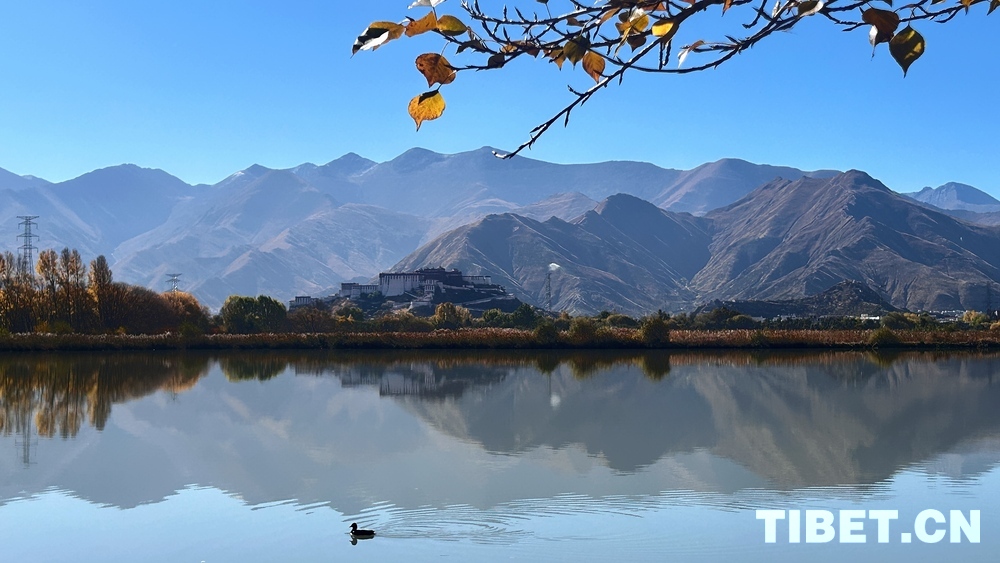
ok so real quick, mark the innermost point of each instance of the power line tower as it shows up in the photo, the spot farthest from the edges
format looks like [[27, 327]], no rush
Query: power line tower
[[173, 281], [26, 255]]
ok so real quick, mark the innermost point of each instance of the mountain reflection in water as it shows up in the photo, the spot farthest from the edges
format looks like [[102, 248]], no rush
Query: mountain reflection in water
[[437, 426]]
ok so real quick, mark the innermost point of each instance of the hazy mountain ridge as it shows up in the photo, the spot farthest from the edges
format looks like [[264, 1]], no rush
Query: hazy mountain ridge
[[957, 197], [306, 229], [786, 240], [11, 181]]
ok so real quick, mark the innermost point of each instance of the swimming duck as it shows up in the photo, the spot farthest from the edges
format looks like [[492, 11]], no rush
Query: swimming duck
[[361, 534]]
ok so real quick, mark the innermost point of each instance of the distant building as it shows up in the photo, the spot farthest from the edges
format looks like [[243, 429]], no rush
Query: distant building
[[420, 282], [357, 290], [421, 290]]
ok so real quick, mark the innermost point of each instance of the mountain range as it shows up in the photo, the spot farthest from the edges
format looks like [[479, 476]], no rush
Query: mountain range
[[628, 236]]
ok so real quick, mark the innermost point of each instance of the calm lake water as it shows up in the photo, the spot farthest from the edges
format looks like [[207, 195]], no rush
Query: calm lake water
[[490, 457]]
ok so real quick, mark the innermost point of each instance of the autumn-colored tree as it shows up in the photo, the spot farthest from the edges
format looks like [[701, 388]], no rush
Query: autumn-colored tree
[[80, 309], [449, 315], [146, 311], [108, 296], [611, 38], [187, 312], [310, 319], [17, 296]]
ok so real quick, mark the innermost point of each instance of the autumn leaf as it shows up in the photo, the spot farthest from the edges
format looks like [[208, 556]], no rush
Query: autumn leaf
[[636, 24], [451, 26], [426, 107], [576, 48], [423, 25], [557, 56], [435, 69], [593, 64], [375, 35], [667, 28], [884, 21], [994, 4], [906, 47]]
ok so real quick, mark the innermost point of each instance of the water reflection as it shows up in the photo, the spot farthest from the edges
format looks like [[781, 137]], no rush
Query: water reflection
[[58, 392], [481, 430]]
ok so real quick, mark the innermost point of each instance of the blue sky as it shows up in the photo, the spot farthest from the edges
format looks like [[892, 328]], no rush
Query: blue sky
[[202, 89]]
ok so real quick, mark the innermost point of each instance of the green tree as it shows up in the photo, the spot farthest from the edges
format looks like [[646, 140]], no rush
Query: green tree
[[271, 314], [524, 316], [238, 314], [246, 315], [497, 318], [612, 38]]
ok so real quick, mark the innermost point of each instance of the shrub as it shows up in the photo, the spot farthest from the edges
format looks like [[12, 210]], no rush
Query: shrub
[[189, 329], [975, 318], [618, 320], [546, 332], [883, 338], [654, 331], [582, 330], [497, 318], [524, 316], [759, 340], [740, 322], [896, 320]]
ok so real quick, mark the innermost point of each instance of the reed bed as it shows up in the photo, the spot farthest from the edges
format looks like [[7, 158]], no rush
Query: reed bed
[[513, 339]]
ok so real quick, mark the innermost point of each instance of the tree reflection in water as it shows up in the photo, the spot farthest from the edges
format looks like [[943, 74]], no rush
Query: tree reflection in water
[[58, 392]]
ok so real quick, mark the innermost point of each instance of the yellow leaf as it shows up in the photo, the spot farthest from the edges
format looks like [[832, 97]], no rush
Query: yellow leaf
[[726, 6], [426, 107], [451, 26], [666, 28], [906, 47], [633, 26], [435, 69], [423, 25], [375, 35], [593, 64]]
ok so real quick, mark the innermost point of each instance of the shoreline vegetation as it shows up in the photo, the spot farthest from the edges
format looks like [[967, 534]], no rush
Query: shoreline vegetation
[[516, 339], [65, 306]]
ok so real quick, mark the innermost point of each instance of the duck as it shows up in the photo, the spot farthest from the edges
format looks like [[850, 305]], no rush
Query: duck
[[361, 534]]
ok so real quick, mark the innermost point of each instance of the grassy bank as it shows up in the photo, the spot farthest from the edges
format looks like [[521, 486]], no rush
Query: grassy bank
[[500, 338]]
